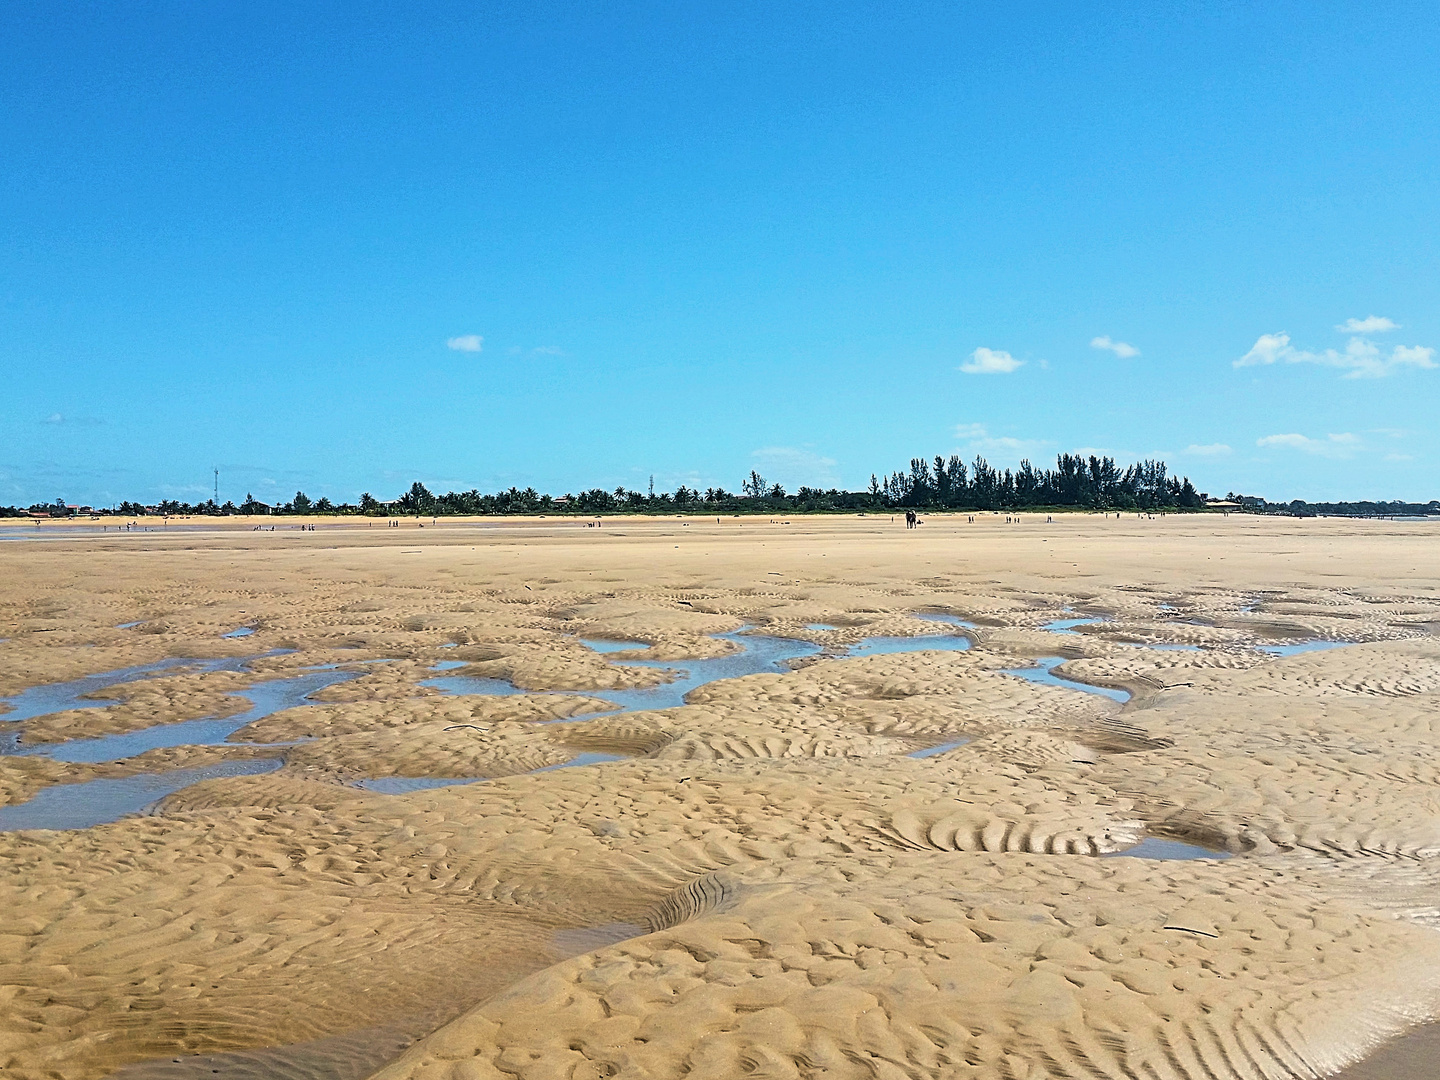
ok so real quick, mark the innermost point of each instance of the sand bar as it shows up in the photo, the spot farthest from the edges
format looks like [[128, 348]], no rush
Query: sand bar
[[753, 873]]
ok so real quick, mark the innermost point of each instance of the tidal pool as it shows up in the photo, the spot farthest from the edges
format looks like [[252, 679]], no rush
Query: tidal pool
[[95, 802], [1155, 847], [609, 645], [1044, 673], [1298, 647]]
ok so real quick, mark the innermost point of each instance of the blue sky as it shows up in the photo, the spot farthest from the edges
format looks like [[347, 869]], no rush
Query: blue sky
[[342, 247]]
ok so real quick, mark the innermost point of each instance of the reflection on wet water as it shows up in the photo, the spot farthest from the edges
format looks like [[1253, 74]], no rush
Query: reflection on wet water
[[1063, 626], [403, 785], [1155, 847], [63, 696], [581, 759], [79, 806], [609, 645], [103, 801], [881, 646], [265, 697], [1044, 673], [93, 802], [931, 751], [472, 684], [758, 653], [1298, 647]]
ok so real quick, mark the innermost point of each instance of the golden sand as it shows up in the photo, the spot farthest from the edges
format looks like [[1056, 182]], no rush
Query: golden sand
[[768, 885]]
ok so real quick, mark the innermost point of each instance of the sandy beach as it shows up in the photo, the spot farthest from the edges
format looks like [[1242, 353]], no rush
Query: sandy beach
[[522, 798]]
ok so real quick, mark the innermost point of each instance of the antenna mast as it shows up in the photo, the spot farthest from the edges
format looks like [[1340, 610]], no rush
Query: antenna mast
[[217, 486]]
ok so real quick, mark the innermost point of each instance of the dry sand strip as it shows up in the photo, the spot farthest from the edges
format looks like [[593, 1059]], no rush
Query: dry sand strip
[[771, 885]]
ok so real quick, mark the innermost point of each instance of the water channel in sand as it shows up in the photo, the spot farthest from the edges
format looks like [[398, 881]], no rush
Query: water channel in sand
[[80, 805], [1044, 672], [93, 802]]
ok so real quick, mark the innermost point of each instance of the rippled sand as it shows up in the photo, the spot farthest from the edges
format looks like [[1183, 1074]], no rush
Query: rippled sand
[[769, 883]]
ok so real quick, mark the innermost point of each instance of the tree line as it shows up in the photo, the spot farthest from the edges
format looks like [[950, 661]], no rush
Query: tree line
[[1364, 508], [1082, 482]]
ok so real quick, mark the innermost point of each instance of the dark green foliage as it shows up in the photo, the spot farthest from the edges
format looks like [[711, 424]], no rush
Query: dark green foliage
[[938, 483], [1300, 508]]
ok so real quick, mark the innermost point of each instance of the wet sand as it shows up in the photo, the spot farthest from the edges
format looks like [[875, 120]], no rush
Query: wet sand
[[679, 852]]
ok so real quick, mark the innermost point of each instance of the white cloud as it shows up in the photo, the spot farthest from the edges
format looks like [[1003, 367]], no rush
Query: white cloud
[[1005, 444], [1119, 348], [1342, 445], [548, 350], [1361, 358], [55, 418], [1371, 324], [465, 343], [985, 361], [970, 431], [1217, 449]]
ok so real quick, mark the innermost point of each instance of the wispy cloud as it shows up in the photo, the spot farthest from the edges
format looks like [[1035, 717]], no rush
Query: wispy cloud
[[1122, 349], [1006, 448], [57, 419], [795, 465], [1342, 445], [1362, 358], [548, 350], [1217, 449], [1371, 324], [985, 361], [465, 343]]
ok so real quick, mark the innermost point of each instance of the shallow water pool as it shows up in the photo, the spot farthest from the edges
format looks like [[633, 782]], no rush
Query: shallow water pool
[[64, 696], [611, 645], [95, 802], [1298, 647], [1044, 673], [931, 751], [267, 697], [1155, 847], [403, 785], [881, 646], [1064, 626]]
